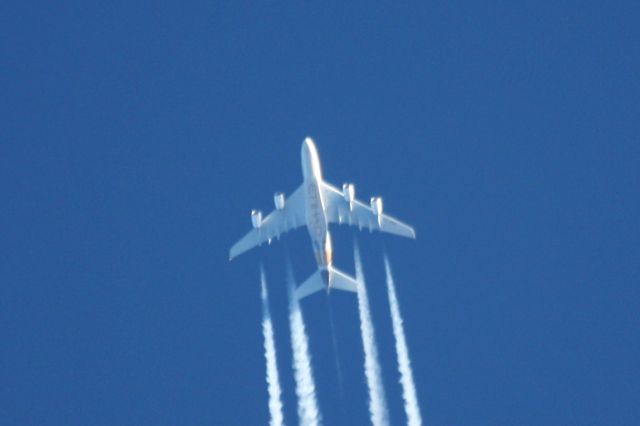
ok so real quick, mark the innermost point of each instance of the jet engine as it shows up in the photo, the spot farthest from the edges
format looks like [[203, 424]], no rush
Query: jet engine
[[376, 205], [256, 218], [348, 192], [278, 200]]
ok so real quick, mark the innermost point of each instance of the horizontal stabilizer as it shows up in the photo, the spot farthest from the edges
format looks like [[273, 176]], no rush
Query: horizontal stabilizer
[[313, 284], [342, 281], [316, 282]]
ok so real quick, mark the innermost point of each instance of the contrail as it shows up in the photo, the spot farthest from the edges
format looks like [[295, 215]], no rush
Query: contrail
[[273, 382], [308, 411], [411, 406], [335, 349], [377, 399]]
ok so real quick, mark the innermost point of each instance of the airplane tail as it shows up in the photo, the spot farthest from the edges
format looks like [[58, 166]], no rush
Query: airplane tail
[[318, 281]]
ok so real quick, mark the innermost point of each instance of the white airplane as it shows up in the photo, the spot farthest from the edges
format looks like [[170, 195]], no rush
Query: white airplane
[[315, 204]]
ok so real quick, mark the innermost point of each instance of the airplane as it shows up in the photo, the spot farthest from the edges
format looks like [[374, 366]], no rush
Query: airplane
[[315, 204]]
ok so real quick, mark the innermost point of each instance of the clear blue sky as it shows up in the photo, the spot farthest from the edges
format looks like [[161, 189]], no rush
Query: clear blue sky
[[135, 138]]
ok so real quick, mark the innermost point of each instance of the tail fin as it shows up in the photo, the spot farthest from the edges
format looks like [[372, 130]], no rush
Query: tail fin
[[316, 282]]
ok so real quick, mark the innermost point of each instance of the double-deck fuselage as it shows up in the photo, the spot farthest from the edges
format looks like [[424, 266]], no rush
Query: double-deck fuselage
[[315, 211]]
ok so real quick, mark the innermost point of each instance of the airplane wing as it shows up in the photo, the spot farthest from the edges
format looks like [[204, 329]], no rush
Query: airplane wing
[[276, 223], [360, 215]]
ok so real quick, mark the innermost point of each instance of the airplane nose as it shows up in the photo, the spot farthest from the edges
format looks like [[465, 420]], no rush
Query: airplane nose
[[310, 163], [308, 144]]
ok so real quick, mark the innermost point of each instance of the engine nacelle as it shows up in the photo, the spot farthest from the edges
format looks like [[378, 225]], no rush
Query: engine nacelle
[[278, 200], [376, 205], [349, 192], [256, 218]]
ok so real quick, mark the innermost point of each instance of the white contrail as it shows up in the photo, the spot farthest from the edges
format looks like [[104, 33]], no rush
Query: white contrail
[[377, 399], [273, 382], [308, 411], [411, 406]]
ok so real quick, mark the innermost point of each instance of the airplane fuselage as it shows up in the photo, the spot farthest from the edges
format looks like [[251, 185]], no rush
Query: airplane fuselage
[[315, 211]]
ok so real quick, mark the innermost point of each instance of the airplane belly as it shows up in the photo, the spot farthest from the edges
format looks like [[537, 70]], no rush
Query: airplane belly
[[316, 221]]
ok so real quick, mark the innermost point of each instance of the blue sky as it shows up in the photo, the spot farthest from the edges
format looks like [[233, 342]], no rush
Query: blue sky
[[136, 137]]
